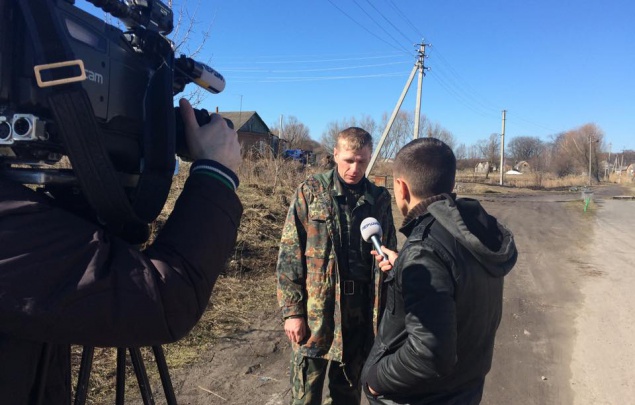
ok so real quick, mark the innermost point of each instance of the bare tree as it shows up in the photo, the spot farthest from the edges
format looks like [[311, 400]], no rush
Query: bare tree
[[401, 132], [329, 137], [543, 160], [573, 149], [367, 123], [629, 155], [490, 148], [561, 161], [473, 152], [462, 158], [185, 28], [435, 130], [525, 148], [460, 152], [293, 131]]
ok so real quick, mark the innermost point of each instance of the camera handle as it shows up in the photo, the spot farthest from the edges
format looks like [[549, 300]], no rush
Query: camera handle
[[140, 371], [73, 114]]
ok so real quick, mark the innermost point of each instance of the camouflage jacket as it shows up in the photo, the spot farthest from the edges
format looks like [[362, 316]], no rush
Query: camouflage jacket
[[308, 271]]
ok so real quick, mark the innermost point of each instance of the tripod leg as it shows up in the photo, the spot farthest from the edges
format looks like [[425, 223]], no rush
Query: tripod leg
[[121, 376], [84, 375], [165, 375], [43, 372], [142, 376]]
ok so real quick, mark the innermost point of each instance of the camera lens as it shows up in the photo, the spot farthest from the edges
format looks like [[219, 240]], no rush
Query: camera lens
[[22, 126], [5, 131]]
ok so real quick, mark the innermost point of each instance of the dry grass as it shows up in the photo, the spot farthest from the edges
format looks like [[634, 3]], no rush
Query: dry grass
[[623, 179], [532, 180], [469, 182], [248, 283]]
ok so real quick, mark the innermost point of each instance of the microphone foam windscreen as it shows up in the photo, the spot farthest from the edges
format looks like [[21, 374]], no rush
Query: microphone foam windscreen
[[369, 227]]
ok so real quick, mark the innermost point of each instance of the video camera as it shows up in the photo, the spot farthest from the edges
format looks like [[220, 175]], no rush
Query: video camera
[[73, 85]]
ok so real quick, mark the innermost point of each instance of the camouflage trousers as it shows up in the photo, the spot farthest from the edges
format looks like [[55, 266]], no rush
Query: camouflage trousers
[[308, 374]]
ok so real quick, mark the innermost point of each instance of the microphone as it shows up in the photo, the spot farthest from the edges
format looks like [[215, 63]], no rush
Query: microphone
[[208, 78], [371, 232], [199, 73]]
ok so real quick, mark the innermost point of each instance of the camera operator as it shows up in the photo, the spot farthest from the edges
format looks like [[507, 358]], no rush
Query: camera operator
[[64, 280]]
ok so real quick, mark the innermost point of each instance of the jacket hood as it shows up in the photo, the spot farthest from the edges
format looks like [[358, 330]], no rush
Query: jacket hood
[[491, 243]]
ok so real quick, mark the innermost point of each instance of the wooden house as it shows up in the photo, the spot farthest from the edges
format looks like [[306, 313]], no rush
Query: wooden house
[[254, 135]]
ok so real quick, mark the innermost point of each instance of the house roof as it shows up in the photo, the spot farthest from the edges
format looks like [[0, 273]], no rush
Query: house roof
[[240, 118]]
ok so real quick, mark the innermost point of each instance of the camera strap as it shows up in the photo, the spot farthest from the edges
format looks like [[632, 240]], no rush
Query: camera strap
[[74, 116]]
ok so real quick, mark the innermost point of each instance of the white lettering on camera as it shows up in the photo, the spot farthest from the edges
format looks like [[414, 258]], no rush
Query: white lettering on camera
[[94, 77]]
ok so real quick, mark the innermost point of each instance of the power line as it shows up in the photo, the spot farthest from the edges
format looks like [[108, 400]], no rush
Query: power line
[[387, 20], [459, 97], [250, 70], [480, 100], [279, 70], [475, 96], [284, 63], [365, 29], [441, 75], [311, 79], [405, 17], [461, 100], [479, 109], [309, 58], [535, 124], [378, 24]]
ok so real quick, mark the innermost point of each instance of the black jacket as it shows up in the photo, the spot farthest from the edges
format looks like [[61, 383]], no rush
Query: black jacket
[[65, 281], [444, 304]]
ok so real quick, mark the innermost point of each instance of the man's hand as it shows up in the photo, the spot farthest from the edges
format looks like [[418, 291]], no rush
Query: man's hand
[[295, 328], [214, 141], [385, 265]]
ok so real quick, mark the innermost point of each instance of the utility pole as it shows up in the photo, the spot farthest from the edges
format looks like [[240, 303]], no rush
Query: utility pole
[[622, 162], [608, 163], [617, 156], [394, 114], [500, 169], [420, 65], [280, 139], [590, 160], [280, 126], [240, 112], [390, 122]]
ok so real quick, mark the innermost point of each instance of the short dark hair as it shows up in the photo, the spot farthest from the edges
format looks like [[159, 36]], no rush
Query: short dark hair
[[428, 165], [355, 138]]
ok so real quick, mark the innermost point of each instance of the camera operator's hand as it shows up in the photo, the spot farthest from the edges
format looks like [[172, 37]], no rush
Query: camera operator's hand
[[214, 141]]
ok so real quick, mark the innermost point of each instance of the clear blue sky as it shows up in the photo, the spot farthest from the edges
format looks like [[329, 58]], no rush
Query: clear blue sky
[[553, 65]]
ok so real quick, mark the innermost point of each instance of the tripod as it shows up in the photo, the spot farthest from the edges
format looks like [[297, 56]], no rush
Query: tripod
[[140, 371]]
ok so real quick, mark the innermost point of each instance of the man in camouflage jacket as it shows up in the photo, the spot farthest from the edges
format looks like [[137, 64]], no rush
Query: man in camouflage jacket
[[329, 288]]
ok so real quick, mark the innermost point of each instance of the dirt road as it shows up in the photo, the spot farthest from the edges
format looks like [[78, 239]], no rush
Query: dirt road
[[567, 331], [564, 338]]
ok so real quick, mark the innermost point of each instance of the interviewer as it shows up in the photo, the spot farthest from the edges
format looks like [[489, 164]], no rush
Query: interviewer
[[65, 281]]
